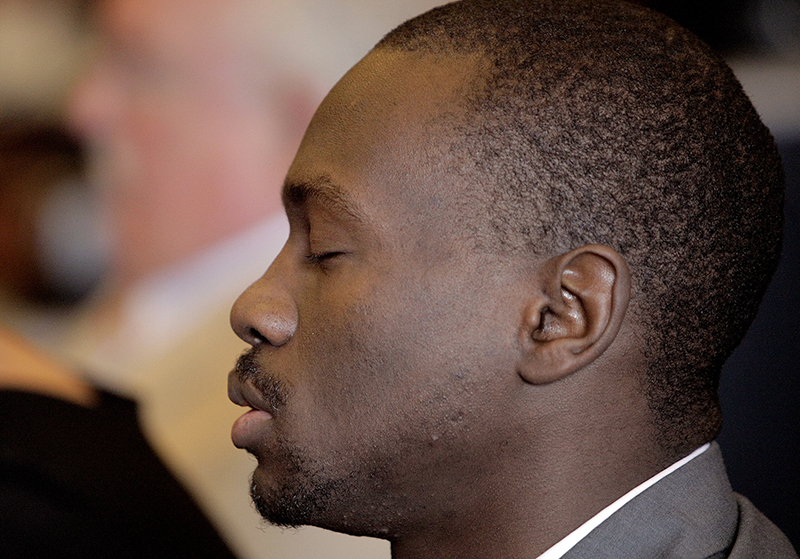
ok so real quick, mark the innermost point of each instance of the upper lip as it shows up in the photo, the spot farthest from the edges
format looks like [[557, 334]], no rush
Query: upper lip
[[246, 395]]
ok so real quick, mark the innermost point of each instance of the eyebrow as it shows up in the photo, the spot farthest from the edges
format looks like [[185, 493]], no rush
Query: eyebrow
[[323, 191]]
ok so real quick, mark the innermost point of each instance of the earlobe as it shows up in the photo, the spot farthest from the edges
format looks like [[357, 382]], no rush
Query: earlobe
[[580, 303]]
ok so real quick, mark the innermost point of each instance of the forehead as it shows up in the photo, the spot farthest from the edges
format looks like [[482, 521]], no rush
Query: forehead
[[378, 134]]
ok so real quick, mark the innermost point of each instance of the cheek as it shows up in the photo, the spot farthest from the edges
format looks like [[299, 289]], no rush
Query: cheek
[[353, 360], [399, 367]]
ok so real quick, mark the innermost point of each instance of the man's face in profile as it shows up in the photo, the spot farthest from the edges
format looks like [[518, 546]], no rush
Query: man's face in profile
[[381, 338]]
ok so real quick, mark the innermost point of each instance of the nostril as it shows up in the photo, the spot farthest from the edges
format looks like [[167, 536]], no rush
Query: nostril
[[256, 336]]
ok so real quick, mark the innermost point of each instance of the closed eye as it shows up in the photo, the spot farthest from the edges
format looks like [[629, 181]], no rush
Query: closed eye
[[322, 257]]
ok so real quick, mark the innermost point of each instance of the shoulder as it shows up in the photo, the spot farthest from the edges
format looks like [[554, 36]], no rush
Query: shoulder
[[758, 536], [84, 482]]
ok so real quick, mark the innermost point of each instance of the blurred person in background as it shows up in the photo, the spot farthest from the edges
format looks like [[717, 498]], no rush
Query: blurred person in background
[[192, 112], [77, 477]]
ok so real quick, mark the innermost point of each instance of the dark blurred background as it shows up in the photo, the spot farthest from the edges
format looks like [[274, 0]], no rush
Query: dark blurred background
[[760, 390], [51, 246]]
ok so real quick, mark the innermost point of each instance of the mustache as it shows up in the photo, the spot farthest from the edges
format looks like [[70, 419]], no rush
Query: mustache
[[248, 369]]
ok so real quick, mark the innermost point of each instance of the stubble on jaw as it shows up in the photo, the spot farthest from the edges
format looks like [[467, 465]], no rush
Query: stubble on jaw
[[301, 492], [300, 495]]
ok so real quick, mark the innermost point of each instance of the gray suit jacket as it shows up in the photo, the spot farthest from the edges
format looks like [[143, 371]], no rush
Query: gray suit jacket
[[691, 514]]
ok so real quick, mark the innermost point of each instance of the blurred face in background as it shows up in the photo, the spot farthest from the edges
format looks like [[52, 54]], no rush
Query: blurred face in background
[[187, 145]]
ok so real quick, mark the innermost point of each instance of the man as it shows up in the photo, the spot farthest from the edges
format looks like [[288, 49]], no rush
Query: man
[[524, 237], [193, 110]]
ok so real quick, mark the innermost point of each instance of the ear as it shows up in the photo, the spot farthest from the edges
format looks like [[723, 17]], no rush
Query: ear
[[576, 313]]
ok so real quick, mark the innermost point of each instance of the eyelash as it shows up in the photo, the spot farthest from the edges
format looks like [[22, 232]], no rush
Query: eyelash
[[320, 258]]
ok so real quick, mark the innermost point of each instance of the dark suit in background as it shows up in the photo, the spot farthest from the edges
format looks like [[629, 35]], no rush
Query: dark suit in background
[[82, 482]]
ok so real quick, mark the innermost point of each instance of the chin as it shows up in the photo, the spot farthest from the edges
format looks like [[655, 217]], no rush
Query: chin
[[298, 499], [303, 501]]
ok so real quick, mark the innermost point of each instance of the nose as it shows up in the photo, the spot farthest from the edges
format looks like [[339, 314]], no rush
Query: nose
[[265, 313]]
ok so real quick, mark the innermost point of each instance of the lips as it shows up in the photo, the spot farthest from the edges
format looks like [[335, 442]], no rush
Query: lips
[[248, 430]]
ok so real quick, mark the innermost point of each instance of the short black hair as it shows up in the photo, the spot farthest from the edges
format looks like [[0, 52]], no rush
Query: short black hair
[[605, 122]]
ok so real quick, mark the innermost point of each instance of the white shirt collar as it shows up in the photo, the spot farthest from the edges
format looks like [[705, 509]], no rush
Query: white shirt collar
[[563, 546]]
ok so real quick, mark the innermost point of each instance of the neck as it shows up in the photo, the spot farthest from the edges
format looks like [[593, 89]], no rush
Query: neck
[[563, 469]]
